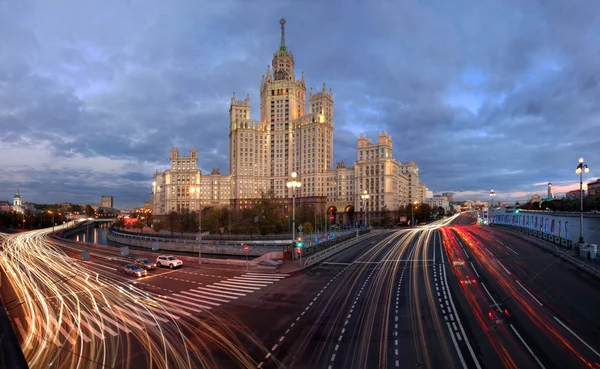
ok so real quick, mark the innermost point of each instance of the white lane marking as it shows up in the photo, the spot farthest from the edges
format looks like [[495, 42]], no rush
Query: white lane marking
[[474, 270], [231, 290], [47, 336], [100, 323], [242, 287], [223, 291], [281, 339], [529, 293], [274, 347], [208, 295], [201, 298], [516, 253], [460, 356], [71, 339], [268, 355], [503, 267], [246, 279], [190, 300], [260, 364], [122, 316], [489, 294], [460, 324], [579, 338], [280, 276], [527, 346]]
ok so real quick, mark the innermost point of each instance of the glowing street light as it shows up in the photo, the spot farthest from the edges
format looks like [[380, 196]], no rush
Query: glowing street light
[[294, 183], [365, 197], [581, 168]]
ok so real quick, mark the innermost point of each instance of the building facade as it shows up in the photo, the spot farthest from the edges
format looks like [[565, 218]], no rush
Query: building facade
[[17, 202], [106, 202], [437, 202], [574, 195], [594, 188], [294, 134]]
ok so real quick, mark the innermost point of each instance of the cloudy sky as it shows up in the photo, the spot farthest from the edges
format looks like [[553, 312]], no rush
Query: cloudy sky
[[494, 94]]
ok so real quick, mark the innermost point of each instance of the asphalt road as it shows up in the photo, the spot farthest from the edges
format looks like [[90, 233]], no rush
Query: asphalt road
[[554, 306], [411, 298]]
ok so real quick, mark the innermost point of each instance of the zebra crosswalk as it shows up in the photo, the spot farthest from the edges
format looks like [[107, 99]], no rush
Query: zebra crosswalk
[[218, 293], [104, 321]]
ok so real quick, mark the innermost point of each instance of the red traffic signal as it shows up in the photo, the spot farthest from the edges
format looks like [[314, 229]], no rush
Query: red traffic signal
[[331, 217], [298, 250], [245, 247]]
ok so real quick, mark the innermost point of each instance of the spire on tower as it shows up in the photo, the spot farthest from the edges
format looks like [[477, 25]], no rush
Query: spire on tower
[[282, 46], [324, 88], [17, 193], [303, 83], [269, 73]]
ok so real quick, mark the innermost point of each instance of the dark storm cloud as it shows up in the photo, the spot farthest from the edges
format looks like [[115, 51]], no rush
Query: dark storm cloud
[[496, 96]]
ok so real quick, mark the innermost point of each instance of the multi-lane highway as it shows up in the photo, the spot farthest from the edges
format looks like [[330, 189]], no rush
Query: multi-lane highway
[[451, 294]]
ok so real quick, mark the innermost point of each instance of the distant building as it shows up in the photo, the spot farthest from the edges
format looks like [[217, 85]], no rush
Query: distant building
[[594, 188], [574, 195], [107, 202], [17, 202], [550, 194], [5, 207], [148, 205], [448, 195], [535, 198], [437, 202]]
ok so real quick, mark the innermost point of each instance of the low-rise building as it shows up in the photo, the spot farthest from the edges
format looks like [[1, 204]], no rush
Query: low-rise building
[[574, 195], [593, 188]]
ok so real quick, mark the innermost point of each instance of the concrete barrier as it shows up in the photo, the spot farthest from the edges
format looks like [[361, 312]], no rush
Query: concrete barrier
[[192, 246]]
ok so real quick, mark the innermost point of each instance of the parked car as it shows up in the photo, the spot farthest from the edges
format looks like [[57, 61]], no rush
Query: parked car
[[145, 264], [168, 260], [134, 270]]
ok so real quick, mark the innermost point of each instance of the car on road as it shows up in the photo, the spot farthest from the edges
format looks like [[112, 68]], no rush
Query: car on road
[[458, 262], [145, 264], [168, 261], [134, 270], [498, 313], [468, 280]]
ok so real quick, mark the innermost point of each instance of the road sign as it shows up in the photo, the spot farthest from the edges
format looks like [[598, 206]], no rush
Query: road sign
[[300, 233], [300, 227]]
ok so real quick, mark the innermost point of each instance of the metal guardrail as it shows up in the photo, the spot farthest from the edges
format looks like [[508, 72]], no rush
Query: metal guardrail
[[335, 249]]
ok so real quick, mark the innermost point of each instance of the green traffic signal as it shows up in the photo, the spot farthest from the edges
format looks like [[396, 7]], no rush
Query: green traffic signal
[[517, 211]]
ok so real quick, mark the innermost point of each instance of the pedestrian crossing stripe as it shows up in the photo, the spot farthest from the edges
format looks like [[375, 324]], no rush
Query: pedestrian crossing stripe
[[106, 321]]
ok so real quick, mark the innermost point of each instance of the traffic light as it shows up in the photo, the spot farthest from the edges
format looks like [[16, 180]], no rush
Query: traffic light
[[517, 211], [298, 250], [300, 244]]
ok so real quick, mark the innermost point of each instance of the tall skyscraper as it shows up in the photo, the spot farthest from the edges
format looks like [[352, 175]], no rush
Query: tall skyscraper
[[286, 139], [106, 202], [294, 134]]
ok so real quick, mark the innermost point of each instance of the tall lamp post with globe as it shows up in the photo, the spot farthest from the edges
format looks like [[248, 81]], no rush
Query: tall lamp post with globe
[[492, 194], [581, 168], [294, 183]]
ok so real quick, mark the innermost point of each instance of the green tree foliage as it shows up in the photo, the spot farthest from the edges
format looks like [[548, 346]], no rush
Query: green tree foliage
[[307, 227]]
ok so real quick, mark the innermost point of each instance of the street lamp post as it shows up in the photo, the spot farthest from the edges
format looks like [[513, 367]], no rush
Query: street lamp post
[[51, 212], [294, 183], [492, 194], [581, 168], [413, 212], [197, 191], [365, 197]]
